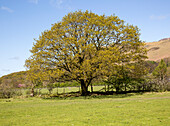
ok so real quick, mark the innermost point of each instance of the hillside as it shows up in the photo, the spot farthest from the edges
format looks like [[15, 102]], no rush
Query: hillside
[[15, 78], [159, 50]]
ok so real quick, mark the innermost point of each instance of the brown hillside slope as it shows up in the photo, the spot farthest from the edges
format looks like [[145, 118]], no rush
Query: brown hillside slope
[[158, 50]]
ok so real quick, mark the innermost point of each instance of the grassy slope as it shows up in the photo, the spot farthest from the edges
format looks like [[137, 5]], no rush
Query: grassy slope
[[161, 52], [147, 109]]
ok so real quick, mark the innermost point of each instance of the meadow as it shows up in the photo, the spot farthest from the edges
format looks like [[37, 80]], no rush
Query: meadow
[[132, 109], [61, 90]]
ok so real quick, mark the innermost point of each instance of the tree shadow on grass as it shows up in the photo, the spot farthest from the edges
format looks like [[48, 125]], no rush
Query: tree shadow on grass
[[91, 95]]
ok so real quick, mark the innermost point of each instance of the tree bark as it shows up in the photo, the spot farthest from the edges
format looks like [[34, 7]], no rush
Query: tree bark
[[84, 88], [117, 88], [108, 87], [125, 87], [91, 88], [32, 91]]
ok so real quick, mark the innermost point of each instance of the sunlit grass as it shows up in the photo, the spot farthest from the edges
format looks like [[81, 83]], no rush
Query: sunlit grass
[[135, 109], [61, 90]]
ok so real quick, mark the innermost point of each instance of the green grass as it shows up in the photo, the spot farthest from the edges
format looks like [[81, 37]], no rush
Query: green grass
[[151, 109], [66, 89]]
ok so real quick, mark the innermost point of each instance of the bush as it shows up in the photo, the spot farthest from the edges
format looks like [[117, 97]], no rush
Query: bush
[[7, 90], [8, 93]]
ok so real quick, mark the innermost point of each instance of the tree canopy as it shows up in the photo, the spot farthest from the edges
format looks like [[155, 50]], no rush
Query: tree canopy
[[84, 46]]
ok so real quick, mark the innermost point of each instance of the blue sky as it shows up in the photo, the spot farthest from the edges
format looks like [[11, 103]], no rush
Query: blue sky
[[23, 20]]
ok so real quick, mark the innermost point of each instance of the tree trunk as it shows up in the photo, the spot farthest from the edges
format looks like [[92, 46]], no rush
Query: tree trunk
[[39, 92], [117, 88], [108, 87], [79, 90], [125, 87], [91, 88], [32, 91], [84, 88]]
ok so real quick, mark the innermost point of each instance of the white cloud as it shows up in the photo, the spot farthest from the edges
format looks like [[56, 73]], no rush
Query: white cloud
[[6, 9], [14, 58], [56, 3], [61, 4], [160, 17], [33, 1], [5, 70]]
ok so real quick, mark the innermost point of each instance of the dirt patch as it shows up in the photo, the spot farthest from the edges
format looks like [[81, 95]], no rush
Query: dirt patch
[[154, 48]]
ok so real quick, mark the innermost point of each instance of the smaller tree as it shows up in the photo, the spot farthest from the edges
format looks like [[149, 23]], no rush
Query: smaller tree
[[51, 77], [34, 76], [160, 73]]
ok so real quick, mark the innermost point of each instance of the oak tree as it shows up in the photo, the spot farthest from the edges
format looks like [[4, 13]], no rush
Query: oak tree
[[85, 45]]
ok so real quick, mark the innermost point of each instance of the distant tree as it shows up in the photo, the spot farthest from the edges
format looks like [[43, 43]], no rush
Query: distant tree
[[51, 79], [160, 70], [128, 75], [160, 74], [34, 76], [138, 74], [84, 46]]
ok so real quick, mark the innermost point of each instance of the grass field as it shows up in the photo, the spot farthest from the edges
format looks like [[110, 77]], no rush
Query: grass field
[[71, 89], [148, 109]]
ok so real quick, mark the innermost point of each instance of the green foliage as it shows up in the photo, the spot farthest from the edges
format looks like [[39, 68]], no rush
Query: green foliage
[[67, 84], [84, 46], [151, 65], [160, 70], [151, 62], [128, 77]]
